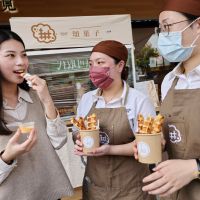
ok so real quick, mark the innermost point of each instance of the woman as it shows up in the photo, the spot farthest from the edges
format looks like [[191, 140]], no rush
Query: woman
[[112, 173], [179, 41], [28, 169]]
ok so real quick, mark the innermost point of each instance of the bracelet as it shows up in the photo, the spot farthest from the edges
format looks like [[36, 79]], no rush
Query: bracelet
[[198, 166], [8, 163]]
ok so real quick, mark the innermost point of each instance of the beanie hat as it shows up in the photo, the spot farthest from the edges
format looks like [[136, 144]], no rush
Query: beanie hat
[[113, 49], [185, 6]]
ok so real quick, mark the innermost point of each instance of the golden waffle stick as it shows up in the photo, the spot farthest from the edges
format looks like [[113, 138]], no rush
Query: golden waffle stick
[[81, 123], [149, 119], [146, 130], [75, 122], [159, 117], [140, 125], [92, 128], [147, 123], [93, 115], [140, 117], [156, 130], [157, 123], [150, 124], [90, 122], [140, 120], [92, 118]]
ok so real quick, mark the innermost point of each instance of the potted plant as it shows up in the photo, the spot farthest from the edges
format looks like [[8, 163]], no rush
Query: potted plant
[[142, 59]]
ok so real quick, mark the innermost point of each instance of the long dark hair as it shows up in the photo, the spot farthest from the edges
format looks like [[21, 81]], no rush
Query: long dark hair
[[3, 129], [6, 35]]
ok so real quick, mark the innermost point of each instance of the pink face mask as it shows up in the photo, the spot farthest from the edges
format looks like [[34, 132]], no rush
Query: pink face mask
[[100, 77]]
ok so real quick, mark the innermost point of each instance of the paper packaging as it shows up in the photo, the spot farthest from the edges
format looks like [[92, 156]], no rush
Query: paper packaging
[[149, 148], [26, 127], [90, 140]]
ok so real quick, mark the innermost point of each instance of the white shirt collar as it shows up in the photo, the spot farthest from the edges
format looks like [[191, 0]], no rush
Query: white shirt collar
[[178, 71], [22, 95], [197, 69], [97, 94]]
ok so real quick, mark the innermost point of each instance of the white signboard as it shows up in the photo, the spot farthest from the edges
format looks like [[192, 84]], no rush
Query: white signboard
[[64, 32]]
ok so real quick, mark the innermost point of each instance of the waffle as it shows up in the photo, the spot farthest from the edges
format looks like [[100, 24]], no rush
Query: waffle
[[150, 125], [140, 122], [26, 75], [90, 123], [79, 123]]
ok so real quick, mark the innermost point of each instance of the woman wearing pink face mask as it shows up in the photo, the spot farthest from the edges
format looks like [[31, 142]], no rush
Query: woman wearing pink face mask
[[179, 41], [112, 173]]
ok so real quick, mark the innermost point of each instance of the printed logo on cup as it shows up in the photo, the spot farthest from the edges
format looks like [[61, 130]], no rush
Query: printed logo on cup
[[104, 139], [88, 142], [174, 134], [143, 149]]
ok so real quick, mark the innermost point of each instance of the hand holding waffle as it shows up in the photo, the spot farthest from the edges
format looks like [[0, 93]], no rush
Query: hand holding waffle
[[88, 141], [26, 76], [39, 85]]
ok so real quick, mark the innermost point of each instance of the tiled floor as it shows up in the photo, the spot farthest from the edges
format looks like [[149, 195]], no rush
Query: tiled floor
[[77, 195]]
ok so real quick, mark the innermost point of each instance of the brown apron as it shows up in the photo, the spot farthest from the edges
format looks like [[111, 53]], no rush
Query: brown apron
[[39, 174], [181, 109], [114, 177]]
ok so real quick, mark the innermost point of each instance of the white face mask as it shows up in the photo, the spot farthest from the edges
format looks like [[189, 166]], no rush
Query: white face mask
[[170, 46]]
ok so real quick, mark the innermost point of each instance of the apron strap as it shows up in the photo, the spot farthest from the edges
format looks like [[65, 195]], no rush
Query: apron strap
[[174, 83], [126, 96], [171, 93]]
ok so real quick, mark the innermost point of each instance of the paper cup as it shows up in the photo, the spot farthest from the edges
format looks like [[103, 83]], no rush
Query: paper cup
[[149, 148], [26, 127], [90, 140]]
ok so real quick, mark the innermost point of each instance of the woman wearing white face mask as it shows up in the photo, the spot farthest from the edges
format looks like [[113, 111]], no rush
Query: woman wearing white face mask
[[178, 177]]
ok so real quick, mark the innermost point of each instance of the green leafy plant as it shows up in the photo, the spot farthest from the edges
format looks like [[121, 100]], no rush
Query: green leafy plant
[[142, 59]]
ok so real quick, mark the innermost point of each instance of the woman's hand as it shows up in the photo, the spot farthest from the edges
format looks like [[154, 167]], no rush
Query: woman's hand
[[40, 86], [75, 136], [170, 176], [100, 151], [14, 148], [135, 150]]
